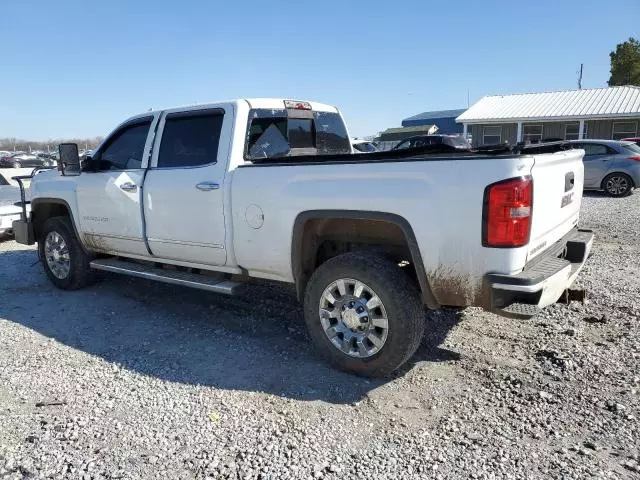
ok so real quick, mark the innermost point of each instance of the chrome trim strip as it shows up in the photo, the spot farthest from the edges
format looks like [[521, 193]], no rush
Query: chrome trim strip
[[187, 243]]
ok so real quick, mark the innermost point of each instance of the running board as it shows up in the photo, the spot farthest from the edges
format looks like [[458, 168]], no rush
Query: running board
[[193, 280]]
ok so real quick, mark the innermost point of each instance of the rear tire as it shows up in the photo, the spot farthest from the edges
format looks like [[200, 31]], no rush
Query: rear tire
[[64, 260], [17, 165], [617, 184], [377, 311]]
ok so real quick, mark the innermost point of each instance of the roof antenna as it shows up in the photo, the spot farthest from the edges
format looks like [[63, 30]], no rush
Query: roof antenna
[[580, 77]]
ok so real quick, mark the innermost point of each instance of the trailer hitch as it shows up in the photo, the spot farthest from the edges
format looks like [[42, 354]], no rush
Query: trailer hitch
[[572, 295]]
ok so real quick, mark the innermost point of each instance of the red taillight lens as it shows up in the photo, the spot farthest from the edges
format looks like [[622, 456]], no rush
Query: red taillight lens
[[634, 157], [507, 213]]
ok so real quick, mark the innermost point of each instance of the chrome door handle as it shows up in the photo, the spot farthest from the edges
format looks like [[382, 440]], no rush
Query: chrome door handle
[[206, 186], [129, 187]]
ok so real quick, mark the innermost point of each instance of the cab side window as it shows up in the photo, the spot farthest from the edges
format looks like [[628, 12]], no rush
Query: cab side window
[[125, 149], [190, 139]]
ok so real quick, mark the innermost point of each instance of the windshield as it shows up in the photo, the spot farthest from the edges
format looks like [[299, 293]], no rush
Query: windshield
[[277, 133], [402, 145]]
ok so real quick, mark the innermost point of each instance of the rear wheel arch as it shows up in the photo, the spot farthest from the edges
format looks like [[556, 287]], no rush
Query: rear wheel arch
[[310, 248]]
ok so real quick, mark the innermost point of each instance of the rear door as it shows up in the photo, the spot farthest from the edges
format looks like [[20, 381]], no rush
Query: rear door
[[557, 193], [598, 160], [184, 189]]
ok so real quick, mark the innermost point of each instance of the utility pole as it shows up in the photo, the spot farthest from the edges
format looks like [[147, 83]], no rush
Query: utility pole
[[580, 77]]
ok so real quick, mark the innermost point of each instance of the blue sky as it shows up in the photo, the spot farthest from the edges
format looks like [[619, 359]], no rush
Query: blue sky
[[68, 69]]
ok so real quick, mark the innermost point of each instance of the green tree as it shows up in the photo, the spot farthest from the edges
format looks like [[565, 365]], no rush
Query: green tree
[[625, 64]]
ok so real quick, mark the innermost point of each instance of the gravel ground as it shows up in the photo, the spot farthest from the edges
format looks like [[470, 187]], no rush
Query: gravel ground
[[131, 379]]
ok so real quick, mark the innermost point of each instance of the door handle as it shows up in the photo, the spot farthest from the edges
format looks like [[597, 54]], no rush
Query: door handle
[[129, 187], [206, 186]]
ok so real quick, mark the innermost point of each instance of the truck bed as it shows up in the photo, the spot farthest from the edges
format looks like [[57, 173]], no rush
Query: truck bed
[[430, 152], [440, 196]]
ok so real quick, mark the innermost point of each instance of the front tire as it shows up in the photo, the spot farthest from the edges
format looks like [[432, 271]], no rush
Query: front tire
[[17, 165], [364, 314], [64, 260], [617, 184]]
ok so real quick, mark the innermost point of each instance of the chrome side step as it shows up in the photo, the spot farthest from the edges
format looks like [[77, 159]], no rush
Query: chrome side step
[[193, 280]]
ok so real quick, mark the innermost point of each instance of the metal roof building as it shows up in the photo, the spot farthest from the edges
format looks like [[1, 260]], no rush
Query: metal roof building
[[444, 119], [611, 113]]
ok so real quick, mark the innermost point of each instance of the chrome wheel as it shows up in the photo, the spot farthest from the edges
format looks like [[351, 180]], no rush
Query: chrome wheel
[[56, 253], [617, 185], [353, 318]]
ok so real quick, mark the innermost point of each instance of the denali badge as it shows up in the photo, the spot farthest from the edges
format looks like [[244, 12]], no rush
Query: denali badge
[[89, 218], [566, 200], [539, 247]]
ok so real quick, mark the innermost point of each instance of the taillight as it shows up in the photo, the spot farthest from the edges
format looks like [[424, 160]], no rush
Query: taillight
[[634, 157], [506, 217]]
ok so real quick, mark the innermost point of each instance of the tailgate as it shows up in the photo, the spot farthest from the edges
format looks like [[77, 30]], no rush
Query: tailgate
[[557, 194]]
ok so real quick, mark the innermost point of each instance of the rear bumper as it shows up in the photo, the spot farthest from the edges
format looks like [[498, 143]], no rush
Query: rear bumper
[[543, 281]]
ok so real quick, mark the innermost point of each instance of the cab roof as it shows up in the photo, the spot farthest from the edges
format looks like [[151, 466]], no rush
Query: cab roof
[[263, 103]]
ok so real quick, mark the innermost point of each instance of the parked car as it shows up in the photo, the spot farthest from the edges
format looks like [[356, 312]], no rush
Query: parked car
[[454, 142], [4, 158], [635, 140], [48, 159], [367, 240], [19, 160], [363, 146], [610, 165]]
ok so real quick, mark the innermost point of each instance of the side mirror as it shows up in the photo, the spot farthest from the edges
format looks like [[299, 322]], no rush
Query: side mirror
[[69, 163]]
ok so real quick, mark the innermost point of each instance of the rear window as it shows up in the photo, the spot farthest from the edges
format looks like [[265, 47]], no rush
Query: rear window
[[276, 133], [457, 142], [632, 147], [301, 133]]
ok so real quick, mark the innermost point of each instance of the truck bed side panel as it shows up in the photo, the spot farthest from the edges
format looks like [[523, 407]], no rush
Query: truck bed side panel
[[441, 200]]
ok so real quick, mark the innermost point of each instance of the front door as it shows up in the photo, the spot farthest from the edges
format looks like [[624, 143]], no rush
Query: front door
[[184, 189], [109, 191]]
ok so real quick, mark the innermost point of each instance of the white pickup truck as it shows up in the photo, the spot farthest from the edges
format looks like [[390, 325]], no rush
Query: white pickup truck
[[210, 196]]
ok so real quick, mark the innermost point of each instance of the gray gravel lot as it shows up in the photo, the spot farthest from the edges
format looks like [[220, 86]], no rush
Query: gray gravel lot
[[131, 379]]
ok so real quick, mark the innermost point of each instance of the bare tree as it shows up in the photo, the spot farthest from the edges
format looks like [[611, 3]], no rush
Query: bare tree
[[14, 144]]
